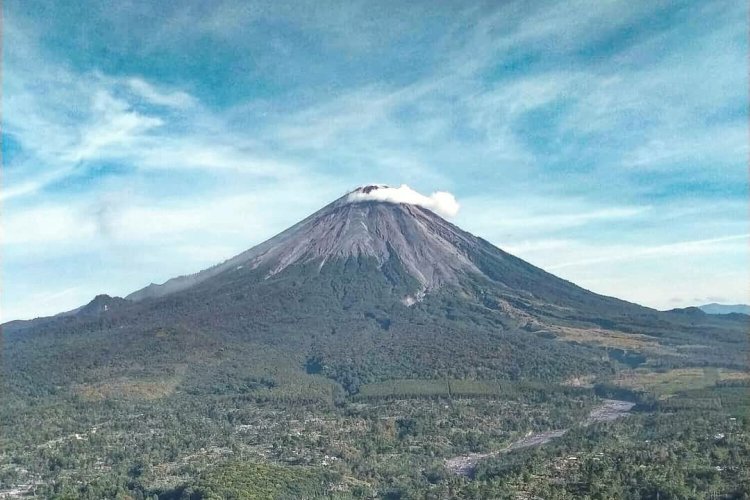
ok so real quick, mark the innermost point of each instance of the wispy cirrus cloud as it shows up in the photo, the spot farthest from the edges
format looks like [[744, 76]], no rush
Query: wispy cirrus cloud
[[161, 97], [514, 217], [120, 120], [734, 243]]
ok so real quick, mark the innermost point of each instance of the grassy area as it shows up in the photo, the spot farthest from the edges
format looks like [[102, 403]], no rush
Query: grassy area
[[454, 388], [123, 388], [262, 481], [609, 338], [417, 388], [405, 388], [680, 379]]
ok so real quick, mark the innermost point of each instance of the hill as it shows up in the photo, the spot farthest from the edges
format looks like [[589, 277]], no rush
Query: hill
[[715, 308]]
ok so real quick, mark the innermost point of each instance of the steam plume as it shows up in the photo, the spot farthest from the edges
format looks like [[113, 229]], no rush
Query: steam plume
[[440, 202]]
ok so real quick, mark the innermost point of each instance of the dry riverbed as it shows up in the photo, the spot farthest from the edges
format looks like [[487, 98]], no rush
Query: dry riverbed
[[610, 409]]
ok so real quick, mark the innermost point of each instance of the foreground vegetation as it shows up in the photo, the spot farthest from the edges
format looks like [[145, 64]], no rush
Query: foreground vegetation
[[332, 388], [693, 444]]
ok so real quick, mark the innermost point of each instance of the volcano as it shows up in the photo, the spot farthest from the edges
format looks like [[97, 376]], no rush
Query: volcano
[[367, 228], [371, 287]]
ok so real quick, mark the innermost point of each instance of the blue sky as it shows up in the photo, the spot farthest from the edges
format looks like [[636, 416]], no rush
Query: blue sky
[[604, 141]]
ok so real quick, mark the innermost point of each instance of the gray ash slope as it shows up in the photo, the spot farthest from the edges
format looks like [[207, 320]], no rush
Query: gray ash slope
[[432, 251], [429, 247]]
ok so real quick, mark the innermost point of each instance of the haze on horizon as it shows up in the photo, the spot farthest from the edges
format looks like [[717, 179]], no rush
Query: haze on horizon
[[604, 142]]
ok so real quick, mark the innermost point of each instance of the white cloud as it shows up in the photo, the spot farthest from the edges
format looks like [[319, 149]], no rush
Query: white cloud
[[724, 144], [46, 224], [440, 202], [114, 127], [195, 153], [46, 303], [523, 217], [708, 246], [527, 220], [154, 95], [664, 275]]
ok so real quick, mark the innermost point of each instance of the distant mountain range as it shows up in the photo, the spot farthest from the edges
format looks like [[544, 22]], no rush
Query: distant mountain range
[[715, 308]]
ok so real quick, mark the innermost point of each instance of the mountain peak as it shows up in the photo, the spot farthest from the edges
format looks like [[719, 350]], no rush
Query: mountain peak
[[395, 232], [440, 202], [369, 188], [373, 221], [99, 305]]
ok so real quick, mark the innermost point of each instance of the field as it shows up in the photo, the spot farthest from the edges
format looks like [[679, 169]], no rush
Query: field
[[667, 383]]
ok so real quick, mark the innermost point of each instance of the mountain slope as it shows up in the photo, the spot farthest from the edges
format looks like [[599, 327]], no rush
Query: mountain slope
[[715, 308], [431, 250], [427, 245], [365, 290]]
